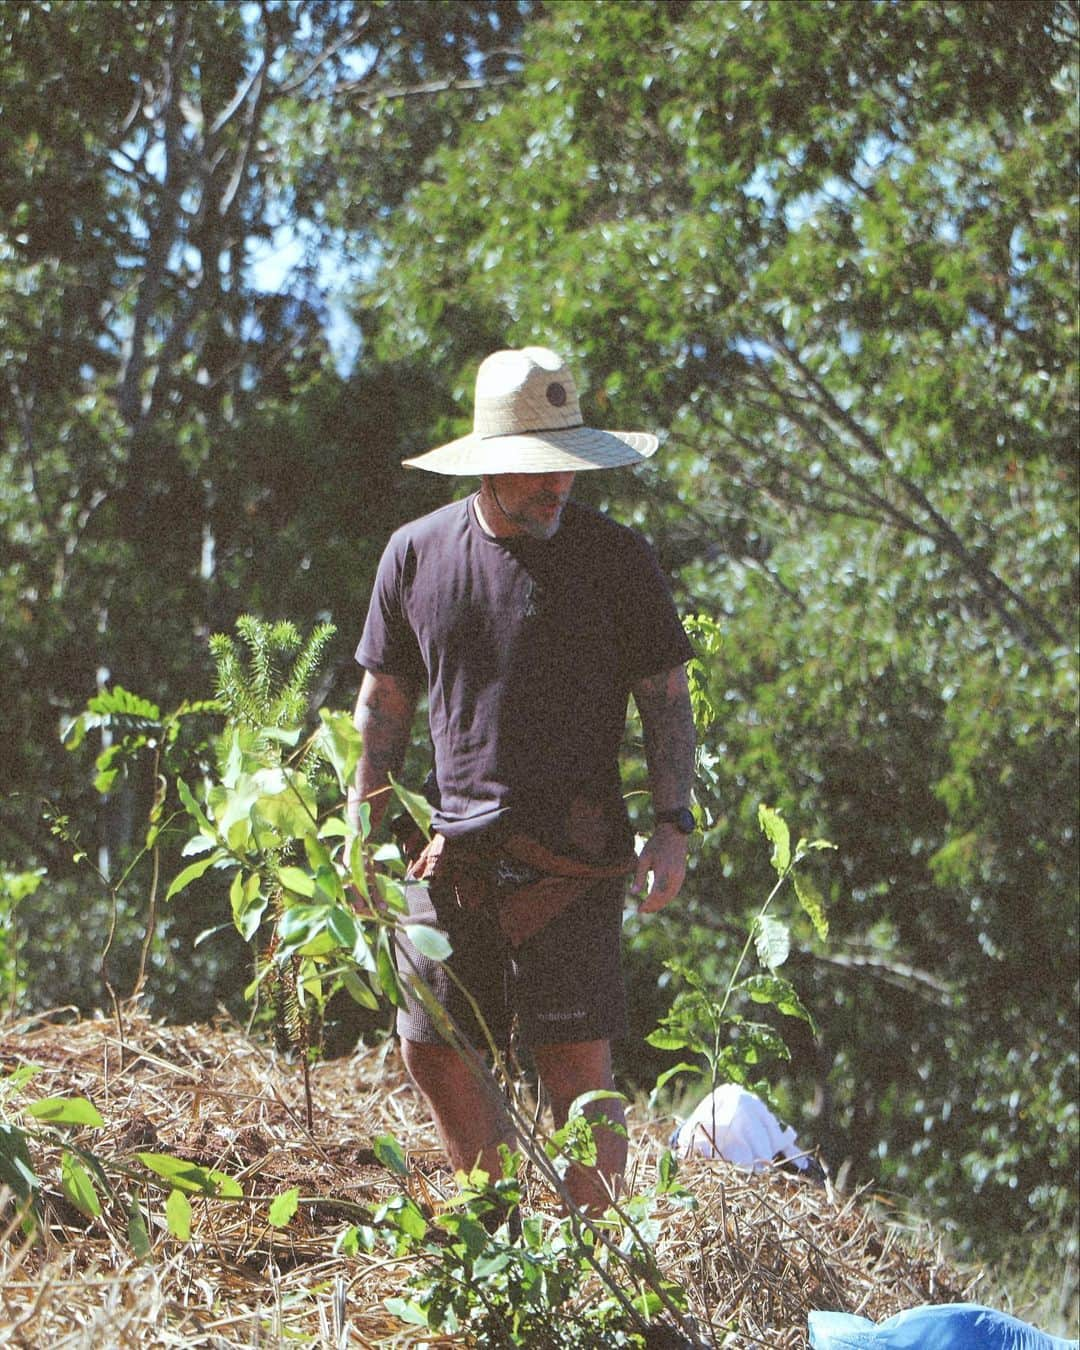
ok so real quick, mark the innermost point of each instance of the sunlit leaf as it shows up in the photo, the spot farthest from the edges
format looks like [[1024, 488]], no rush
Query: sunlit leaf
[[190, 1177], [283, 1207], [428, 941], [775, 829], [65, 1111], [772, 940], [178, 1215], [78, 1186], [390, 1153], [810, 898], [193, 872]]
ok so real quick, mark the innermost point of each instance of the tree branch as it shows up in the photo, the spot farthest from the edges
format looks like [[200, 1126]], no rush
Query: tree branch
[[426, 90], [996, 591], [129, 398]]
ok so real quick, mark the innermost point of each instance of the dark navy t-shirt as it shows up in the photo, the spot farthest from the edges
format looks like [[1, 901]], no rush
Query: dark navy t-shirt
[[528, 650]]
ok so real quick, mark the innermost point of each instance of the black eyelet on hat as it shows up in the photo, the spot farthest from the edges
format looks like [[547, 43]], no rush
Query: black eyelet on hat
[[556, 395]]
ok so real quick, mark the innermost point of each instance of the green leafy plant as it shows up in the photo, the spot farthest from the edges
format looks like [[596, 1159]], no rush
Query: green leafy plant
[[265, 802], [560, 1284], [110, 1192], [14, 888], [132, 727], [730, 1044], [268, 811]]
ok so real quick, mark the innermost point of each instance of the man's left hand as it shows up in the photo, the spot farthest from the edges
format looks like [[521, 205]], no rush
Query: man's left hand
[[664, 857]]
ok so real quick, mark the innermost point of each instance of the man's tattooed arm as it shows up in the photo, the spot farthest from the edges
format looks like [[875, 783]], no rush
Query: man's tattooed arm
[[384, 717], [663, 701]]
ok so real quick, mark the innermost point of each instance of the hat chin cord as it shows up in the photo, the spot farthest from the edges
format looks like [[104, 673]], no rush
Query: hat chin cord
[[514, 520], [520, 520]]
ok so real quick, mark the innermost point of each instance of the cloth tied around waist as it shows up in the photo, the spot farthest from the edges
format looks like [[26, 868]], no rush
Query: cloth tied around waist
[[525, 883]]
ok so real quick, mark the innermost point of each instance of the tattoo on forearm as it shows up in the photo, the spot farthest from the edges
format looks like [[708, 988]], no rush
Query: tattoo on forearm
[[663, 701], [384, 715]]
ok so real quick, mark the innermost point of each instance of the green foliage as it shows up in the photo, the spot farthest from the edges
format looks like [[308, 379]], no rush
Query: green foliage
[[559, 1284], [730, 1046], [14, 888], [104, 1188], [260, 695], [177, 443], [830, 250]]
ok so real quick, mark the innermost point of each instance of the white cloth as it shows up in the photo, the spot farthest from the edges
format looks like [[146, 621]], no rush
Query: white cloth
[[732, 1123]]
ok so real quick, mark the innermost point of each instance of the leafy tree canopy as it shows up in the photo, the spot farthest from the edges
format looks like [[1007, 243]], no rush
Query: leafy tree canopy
[[831, 250]]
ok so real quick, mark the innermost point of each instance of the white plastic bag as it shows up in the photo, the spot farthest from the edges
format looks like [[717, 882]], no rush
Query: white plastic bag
[[732, 1123]]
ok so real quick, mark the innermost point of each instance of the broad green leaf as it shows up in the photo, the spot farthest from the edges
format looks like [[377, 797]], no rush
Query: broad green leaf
[[386, 971], [772, 940], [403, 1214], [428, 941], [193, 872], [390, 1153], [16, 1169], [296, 880], [76, 1183], [138, 1235], [178, 1215], [578, 1105], [284, 814], [417, 806], [287, 736], [248, 903], [668, 1074], [392, 893], [18, 1078], [753, 1040], [231, 807], [813, 903], [328, 885], [775, 990], [359, 990], [299, 926], [486, 1266], [775, 829], [356, 1239], [677, 1038], [344, 927], [193, 808], [65, 1111], [357, 863], [406, 1310], [283, 1207], [335, 827], [341, 743], [190, 1177], [666, 1171]]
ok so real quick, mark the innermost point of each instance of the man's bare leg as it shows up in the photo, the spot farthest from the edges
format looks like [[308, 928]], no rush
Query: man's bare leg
[[567, 1070], [467, 1109]]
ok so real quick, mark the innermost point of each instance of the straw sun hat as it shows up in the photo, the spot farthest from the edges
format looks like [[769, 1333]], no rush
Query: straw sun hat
[[526, 419]]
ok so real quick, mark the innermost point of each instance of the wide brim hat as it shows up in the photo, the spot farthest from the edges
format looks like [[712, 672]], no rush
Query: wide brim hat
[[527, 419]]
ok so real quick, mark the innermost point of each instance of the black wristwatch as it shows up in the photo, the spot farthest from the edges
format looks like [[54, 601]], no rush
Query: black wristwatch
[[681, 817]]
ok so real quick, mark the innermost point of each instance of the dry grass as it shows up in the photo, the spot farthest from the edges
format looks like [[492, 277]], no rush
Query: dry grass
[[756, 1255]]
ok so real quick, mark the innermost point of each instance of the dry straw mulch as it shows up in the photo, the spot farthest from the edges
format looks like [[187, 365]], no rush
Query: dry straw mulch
[[756, 1256]]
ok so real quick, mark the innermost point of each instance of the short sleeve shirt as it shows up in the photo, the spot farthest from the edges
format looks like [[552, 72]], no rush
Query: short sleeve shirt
[[528, 650]]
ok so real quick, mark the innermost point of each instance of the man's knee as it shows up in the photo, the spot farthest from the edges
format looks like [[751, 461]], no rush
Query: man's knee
[[570, 1069]]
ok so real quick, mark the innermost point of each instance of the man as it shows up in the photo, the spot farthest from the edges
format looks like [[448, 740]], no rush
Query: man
[[527, 620]]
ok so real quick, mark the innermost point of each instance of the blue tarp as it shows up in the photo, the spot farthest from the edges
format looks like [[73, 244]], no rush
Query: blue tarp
[[943, 1326]]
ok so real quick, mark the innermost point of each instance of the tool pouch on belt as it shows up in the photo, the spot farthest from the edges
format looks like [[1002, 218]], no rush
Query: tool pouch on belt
[[525, 884]]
